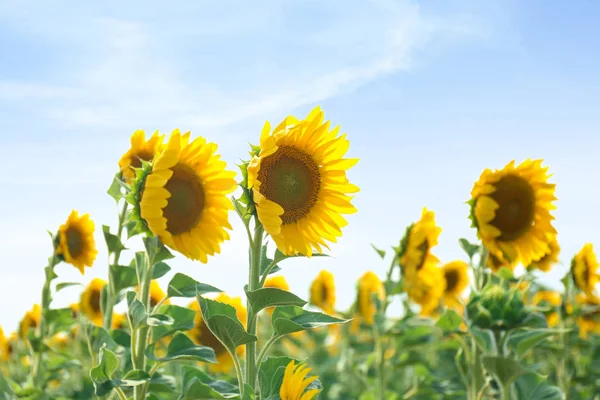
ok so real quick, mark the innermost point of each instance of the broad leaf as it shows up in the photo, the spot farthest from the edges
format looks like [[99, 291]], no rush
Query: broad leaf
[[524, 340], [506, 370], [379, 251], [113, 242], [199, 385], [114, 190], [534, 387], [182, 285], [270, 375], [449, 322], [181, 347], [156, 250], [65, 285], [123, 277], [102, 373], [294, 319], [183, 320], [270, 297], [159, 270]]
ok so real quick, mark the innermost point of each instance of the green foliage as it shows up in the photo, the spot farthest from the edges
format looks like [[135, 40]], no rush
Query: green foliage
[[183, 320], [182, 285], [198, 385], [182, 348], [270, 297], [294, 319]]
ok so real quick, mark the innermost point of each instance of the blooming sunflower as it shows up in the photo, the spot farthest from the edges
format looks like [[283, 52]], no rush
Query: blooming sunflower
[[183, 198], [511, 209], [426, 288], [551, 299], [584, 268], [156, 294], [74, 310], [299, 183], [322, 292], [90, 301], [277, 282], [76, 244], [416, 245], [368, 286], [119, 321], [548, 260], [296, 382], [59, 341], [30, 321], [3, 345], [457, 279], [201, 334], [141, 150]]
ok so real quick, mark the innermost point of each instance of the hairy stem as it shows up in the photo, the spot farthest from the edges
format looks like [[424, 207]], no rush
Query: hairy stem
[[253, 284]]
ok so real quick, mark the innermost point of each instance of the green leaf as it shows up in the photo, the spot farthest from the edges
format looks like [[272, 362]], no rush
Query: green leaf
[[449, 322], [65, 285], [182, 285], [379, 251], [59, 319], [137, 313], [469, 248], [269, 297], [270, 375], [113, 242], [101, 374], [141, 264], [123, 277], [6, 392], [198, 385], [121, 338], [156, 250], [248, 392], [134, 378], [483, 338], [505, 273], [265, 262], [294, 319], [523, 340], [160, 269], [99, 337], [181, 347], [183, 320], [114, 190], [222, 321], [505, 370], [534, 387], [163, 384], [50, 274]]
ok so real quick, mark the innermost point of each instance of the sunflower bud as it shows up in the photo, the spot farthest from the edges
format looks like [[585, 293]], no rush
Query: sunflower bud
[[497, 308]]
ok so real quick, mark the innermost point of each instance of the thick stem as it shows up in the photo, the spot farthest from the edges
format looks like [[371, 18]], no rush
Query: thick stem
[[506, 392], [253, 284], [111, 289], [141, 340], [265, 350], [477, 378]]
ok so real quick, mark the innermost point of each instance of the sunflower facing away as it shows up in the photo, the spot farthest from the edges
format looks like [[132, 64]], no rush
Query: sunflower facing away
[[141, 150], [201, 334], [369, 285], [426, 288], [416, 245], [548, 299], [30, 321], [90, 301], [296, 382], [322, 292], [584, 268], [511, 209], [183, 199], [546, 262], [76, 244], [299, 183], [456, 277]]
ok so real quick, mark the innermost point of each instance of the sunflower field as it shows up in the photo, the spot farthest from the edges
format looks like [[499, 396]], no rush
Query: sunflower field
[[474, 328]]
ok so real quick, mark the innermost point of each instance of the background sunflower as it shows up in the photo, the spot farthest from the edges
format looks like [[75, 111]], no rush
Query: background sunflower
[[76, 244]]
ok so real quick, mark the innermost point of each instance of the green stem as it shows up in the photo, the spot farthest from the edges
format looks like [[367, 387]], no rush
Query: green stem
[[238, 372], [265, 349], [253, 284], [477, 379], [138, 357], [110, 293], [120, 393], [267, 272], [480, 276], [506, 392], [380, 353]]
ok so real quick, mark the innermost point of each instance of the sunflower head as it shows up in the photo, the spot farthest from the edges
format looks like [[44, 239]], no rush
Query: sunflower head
[[141, 150], [322, 292], [156, 294], [511, 209], [119, 321], [548, 260], [456, 277], [426, 288], [299, 184], [295, 383], [369, 286], [202, 335], [76, 244], [497, 308], [59, 341], [584, 268], [182, 197], [74, 310], [589, 321], [4, 354], [30, 321], [90, 301], [420, 238]]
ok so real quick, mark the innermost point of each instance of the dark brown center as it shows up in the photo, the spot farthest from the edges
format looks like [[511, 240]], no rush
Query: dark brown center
[[75, 242], [451, 276], [291, 178], [205, 337], [186, 204], [136, 159], [516, 211], [95, 301]]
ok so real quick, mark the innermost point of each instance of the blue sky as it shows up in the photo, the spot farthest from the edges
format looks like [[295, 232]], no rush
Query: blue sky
[[430, 93]]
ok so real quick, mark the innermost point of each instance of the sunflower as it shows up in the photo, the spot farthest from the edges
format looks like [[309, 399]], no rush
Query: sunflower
[[59, 341], [369, 285], [183, 198], [76, 244], [457, 279], [296, 382], [590, 321], [277, 282], [90, 301], [74, 310], [417, 243], [141, 150], [548, 260], [119, 321], [30, 321], [426, 288], [584, 268], [550, 299], [322, 292], [511, 209], [157, 294], [495, 262], [299, 183], [201, 334], [3, 345]]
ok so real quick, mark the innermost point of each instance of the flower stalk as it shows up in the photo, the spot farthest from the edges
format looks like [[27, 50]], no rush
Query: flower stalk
[[253, 284]]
